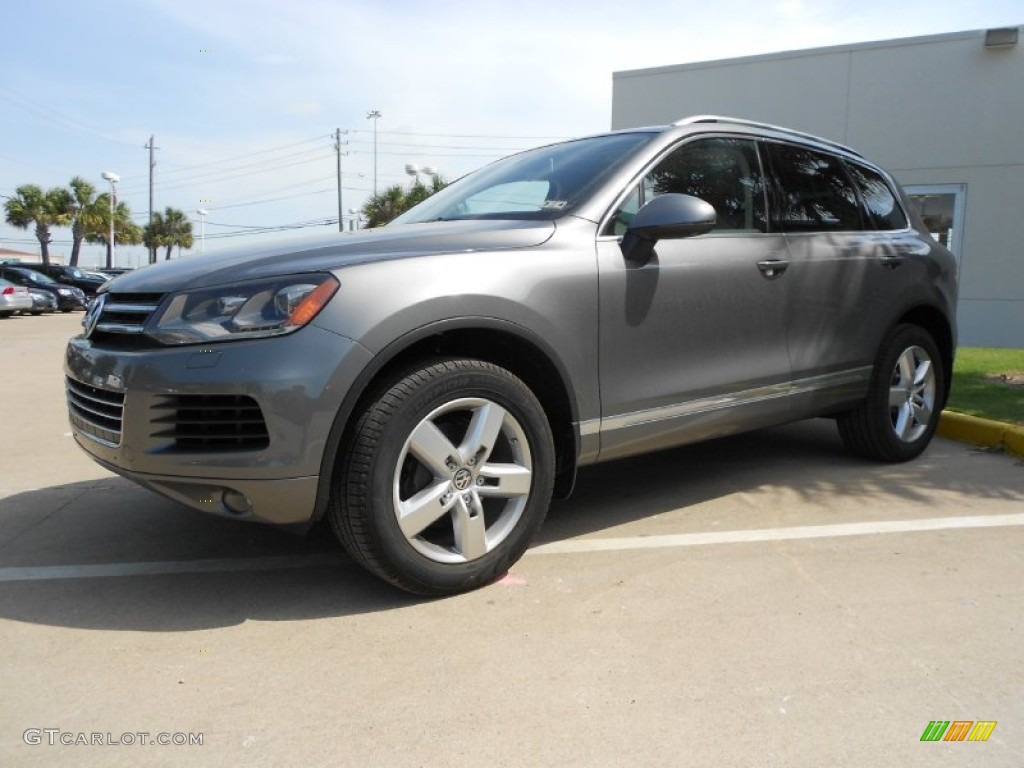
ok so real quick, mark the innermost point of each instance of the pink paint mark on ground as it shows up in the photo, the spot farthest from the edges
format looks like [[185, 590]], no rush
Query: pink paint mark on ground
[[511, 580]]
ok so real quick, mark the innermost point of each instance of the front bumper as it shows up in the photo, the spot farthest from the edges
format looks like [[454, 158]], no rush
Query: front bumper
[[121, 416]]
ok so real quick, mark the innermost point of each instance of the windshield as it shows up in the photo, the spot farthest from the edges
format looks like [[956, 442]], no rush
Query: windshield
[[541, 183], [37, 277]]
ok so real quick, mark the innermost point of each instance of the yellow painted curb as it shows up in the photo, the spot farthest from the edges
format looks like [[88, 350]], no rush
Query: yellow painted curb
[[991, 434]]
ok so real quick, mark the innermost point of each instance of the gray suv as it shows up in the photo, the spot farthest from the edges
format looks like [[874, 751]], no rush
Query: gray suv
[[429, 385]]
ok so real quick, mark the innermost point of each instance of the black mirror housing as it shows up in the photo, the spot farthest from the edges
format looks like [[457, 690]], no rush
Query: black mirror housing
[[666, 217]]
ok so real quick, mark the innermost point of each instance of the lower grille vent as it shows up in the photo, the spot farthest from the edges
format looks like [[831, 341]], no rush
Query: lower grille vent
[[210, 423]]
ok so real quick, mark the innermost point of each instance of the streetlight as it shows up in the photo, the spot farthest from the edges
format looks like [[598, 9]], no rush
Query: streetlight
[[203, 213], [113, 178], [413, 170], [374, 115]]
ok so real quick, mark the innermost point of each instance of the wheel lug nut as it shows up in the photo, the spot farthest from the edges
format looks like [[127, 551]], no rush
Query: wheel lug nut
[[479, 481]]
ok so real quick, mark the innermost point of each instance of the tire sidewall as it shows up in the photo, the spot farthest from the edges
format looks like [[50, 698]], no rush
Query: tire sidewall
[[901, 339], [468, 379]]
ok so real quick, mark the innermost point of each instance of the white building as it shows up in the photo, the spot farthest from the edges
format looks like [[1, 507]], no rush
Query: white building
[[944, 114]]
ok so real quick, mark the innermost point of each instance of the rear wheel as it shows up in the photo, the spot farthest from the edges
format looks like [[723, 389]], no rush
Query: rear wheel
[[898, 418], [446, 479]]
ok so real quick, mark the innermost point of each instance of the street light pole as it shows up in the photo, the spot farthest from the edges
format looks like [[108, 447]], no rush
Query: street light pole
[[113, 178], [203, 213], [375, 116]]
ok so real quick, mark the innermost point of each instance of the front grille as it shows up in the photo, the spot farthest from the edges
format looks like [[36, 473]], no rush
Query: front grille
[[97, 413], [126, 313], [210, 423]]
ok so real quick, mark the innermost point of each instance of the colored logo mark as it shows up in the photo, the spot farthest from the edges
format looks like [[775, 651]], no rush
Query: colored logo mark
[[958, 730]]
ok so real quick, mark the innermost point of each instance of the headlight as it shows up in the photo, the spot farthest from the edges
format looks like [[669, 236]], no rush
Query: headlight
[[244, 311], [65, 292]]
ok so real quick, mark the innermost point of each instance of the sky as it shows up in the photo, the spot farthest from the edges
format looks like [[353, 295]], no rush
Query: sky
[[244, 96]]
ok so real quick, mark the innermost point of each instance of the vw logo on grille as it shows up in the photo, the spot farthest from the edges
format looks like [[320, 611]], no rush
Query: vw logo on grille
[[92, 315], [463, 479]]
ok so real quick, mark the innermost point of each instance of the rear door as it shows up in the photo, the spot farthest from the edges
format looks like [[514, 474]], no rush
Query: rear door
[[846, 276]]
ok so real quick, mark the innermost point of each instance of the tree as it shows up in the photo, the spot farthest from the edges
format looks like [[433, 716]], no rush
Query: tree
[[169, 229], [87, 216], [30, 205], [126, 231], [394, 201]]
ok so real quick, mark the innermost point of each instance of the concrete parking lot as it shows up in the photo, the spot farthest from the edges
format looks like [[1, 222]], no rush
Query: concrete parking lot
[[765, 600]]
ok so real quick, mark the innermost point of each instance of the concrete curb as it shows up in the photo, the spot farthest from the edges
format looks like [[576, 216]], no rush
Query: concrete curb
[[991, 434]]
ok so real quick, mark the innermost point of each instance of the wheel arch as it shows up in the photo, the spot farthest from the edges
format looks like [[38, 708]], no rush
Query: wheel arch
[[496, 341]]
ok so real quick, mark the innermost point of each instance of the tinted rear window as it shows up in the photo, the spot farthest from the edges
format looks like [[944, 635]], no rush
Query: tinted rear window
[[814, 193], [882, 209]]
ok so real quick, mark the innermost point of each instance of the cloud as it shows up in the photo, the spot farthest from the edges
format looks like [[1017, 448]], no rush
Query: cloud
[[303, 108]]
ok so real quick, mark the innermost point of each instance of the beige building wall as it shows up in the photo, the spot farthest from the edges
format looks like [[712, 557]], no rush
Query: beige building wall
[[935, 110]]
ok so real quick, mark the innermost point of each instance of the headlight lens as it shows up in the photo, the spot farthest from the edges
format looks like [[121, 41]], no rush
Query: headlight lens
[[243, 311]]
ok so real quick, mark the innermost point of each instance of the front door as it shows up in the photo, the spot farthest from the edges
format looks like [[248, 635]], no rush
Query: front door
[[693, 342]]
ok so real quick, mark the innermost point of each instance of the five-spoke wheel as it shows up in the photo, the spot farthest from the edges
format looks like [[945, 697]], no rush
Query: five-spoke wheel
[[897, 419], [446, 478]]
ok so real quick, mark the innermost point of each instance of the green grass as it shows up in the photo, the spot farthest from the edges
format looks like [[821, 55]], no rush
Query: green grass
[[989, 383]]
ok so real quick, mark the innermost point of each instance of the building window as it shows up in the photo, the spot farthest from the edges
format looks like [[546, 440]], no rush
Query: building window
[[941, 207]]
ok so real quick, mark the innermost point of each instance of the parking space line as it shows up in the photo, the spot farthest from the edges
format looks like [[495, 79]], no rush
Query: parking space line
[[575, 546], [567, 547]]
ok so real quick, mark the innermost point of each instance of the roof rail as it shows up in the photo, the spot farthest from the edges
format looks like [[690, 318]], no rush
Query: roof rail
[[765, 126]]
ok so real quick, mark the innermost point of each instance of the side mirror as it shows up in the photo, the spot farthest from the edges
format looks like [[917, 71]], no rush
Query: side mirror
[[667, 217]]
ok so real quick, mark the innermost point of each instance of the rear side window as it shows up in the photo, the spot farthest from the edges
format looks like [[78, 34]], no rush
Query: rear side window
[[813, 192], [881, 207]]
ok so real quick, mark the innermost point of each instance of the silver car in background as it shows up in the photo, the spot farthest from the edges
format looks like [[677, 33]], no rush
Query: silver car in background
[[13, 298], [428, 386]]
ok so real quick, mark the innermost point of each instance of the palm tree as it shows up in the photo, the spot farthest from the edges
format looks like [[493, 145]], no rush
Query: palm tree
[[30, 205], [154, 234], [126, 231], [169, 229], [179, 230], [88, 214], [394, 201]]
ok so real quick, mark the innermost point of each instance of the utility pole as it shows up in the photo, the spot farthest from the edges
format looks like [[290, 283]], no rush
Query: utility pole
[[337, 149], [375, 116], [151, 146]]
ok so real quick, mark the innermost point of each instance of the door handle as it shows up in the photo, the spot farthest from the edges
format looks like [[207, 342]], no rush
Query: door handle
[[891, 262], [772, 268]]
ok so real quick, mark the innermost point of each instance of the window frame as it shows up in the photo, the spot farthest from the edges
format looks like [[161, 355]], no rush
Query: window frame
[[777, 195], [605, 230]]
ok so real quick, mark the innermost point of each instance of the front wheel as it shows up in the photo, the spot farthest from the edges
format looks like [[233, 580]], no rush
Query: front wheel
[[898, 418], [446, 478]]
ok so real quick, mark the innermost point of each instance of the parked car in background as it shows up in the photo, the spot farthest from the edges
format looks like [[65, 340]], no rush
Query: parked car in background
[[13, 298], [96, 275], [114, 271], [69, 276], [427, 386], [42, 301], [68, 296]]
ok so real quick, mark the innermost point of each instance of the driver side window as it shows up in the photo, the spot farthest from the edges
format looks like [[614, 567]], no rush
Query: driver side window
[[724, 172]]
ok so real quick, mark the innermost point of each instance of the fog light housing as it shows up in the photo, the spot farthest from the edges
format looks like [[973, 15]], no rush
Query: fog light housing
[[235, 503]]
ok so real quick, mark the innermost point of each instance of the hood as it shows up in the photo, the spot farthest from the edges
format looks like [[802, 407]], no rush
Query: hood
[[328, 252]]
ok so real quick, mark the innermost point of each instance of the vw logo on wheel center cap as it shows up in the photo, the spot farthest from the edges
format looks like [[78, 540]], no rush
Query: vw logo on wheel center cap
[[463, 479]]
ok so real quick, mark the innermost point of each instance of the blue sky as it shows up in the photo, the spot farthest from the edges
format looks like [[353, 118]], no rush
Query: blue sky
[[243, 95]]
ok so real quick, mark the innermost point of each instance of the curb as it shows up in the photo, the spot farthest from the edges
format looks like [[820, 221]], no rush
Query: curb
[[991, 434]]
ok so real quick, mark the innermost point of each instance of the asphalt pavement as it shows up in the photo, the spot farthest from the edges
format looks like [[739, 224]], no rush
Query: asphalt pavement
[[763, 600]]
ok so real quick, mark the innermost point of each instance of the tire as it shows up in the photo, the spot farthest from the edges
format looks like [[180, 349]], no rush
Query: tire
[[445, 479], [6, 313], [897, 419]]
